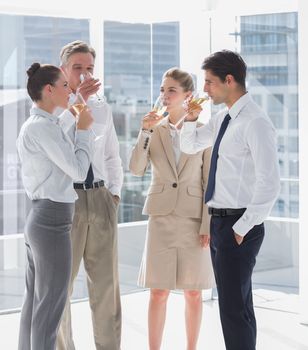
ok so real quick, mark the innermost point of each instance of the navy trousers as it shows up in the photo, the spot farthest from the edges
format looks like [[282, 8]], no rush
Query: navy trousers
[[233, 265]]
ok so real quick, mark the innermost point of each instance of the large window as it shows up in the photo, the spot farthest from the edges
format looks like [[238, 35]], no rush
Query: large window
[[28, 39], [268, 44], [136, 56], [31, 39]]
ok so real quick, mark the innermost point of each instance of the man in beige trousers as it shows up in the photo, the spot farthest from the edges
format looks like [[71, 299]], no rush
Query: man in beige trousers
[[94, 231]]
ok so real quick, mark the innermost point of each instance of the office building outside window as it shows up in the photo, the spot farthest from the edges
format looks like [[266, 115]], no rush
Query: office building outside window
[[136, 56]]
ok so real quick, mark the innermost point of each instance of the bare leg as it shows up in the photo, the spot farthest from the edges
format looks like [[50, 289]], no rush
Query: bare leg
[[193, 316], [157, 316]]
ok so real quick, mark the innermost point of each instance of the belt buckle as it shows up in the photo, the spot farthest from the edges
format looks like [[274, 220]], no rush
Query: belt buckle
[[223, 212]]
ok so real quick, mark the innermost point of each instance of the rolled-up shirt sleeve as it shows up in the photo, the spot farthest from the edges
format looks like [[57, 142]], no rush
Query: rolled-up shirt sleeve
[[193, 139], [261, 139]]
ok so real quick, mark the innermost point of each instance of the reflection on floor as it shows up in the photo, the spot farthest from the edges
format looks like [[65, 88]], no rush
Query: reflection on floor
[[12, 283], [278, 324]]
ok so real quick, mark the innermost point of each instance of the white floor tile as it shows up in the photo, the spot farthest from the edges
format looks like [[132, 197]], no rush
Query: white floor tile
[[278, 330]]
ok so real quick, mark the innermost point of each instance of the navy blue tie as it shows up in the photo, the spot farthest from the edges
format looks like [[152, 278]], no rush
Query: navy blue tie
[[212, 174], [90, 177]]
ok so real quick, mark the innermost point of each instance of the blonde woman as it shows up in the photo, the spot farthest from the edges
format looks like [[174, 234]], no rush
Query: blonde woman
[[176, 254]]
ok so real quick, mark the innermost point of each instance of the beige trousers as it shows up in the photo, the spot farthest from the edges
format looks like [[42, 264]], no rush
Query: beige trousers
[[94, 238]]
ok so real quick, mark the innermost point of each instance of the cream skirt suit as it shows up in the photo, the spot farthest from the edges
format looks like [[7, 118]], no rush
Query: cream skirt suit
[[173, 257]]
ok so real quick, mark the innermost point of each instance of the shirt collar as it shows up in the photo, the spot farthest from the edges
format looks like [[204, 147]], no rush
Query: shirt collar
[[38, 111], [171, 126], [234, 111], [173, 129]]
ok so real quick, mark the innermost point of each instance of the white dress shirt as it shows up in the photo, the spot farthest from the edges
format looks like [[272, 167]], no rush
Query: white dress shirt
[[106, 161], [247, 174], [49, 159], [175, 138]]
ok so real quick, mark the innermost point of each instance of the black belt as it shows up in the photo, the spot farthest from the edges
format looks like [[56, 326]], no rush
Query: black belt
[[83, 186], [226, 212]]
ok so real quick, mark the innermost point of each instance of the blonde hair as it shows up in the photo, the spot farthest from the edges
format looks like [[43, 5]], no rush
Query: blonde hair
[[184, 78], [75, 47]]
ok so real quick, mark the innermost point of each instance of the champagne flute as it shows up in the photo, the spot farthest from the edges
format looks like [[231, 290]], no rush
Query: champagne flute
[[100, 98], [78, 105], [192, 103], [159, 107], [156, 115]]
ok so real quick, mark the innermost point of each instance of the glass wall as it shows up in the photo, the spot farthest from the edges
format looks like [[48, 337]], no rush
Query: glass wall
[[269, 45], [135, 57], [31, 39]]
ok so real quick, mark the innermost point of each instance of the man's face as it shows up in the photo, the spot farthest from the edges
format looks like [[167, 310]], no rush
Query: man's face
[[78, 63], [217, 90]]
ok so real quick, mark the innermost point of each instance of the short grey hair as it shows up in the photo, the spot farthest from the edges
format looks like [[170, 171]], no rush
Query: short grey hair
[[76, 46]]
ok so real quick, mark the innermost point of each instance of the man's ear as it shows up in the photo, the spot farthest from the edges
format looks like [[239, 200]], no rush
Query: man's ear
[[229, 79]]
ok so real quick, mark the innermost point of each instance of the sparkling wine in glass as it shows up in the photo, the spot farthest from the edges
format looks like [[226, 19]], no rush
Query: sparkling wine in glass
[[159, 107], [78, 105], [196, 100]]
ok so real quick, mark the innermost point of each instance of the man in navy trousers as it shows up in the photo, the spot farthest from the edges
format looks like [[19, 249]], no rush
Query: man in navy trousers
[[242, 188]]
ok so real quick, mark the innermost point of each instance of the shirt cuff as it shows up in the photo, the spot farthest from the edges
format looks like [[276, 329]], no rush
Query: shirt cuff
[[86, 135], [190, 126], [241, 227], [115, 191], [66, 120], [146, 132]]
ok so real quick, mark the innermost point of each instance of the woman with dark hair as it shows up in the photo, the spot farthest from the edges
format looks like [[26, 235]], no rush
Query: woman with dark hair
[[49, 163], [176, 254]]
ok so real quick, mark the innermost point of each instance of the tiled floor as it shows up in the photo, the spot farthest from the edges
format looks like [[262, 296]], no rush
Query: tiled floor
[[277, 317], [12, 283]]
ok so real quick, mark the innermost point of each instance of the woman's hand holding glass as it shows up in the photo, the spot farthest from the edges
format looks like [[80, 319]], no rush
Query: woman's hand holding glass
[[158, 113], [84, 118]]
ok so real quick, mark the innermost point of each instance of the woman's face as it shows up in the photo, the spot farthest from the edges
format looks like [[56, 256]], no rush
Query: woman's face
[[61, 92], [172, 94]]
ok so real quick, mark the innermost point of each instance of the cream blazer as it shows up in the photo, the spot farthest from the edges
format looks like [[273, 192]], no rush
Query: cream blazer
[[178, 189]]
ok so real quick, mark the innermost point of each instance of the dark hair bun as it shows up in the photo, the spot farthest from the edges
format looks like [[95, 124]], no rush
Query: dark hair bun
[[34, 67]]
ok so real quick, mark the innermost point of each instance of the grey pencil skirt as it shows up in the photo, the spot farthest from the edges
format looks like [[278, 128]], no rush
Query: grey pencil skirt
[[48, 270]]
